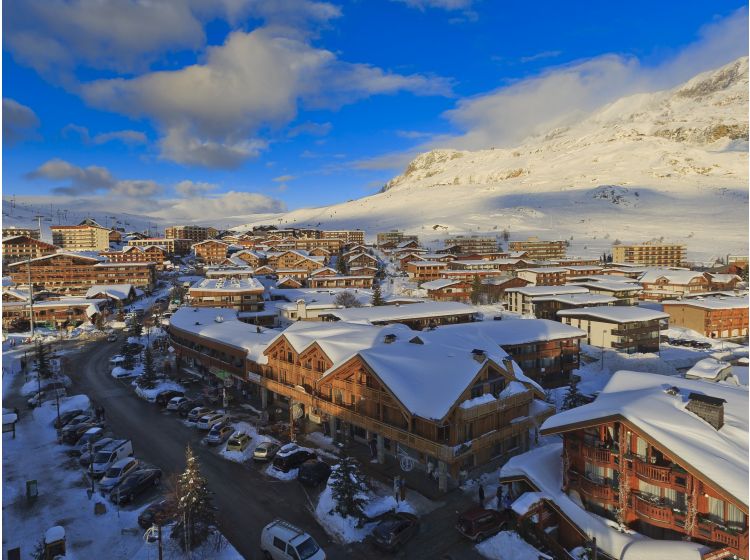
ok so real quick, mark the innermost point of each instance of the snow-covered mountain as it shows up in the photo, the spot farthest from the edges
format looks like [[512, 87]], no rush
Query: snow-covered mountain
[[670, 164]]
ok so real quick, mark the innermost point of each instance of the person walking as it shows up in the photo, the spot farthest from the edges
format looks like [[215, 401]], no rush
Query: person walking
[[508, 503], [397, 488], [499, 496], [101, 412], [481, 495]]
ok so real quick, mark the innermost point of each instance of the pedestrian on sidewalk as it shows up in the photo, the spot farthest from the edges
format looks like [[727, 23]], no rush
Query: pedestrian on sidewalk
[[101, 412], [373, 447], [481, 495], [508, 503], [402, 488], [499, 496], [397, 487]]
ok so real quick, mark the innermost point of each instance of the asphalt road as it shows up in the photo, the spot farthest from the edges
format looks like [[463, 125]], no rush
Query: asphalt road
[[246, 499]]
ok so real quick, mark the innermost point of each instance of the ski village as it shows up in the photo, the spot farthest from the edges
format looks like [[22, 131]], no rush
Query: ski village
[[535, 351]]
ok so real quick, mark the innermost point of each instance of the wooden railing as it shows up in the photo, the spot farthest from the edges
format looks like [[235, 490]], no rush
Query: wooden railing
[[599, 490], [513, 401], [597, 454], [659, 513], [653, 472]]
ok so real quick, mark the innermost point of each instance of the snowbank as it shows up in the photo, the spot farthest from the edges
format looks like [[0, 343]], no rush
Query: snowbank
[[150, 394], [119, 372], [506, 545]]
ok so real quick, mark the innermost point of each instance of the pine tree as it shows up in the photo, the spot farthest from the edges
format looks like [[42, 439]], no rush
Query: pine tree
[[347, 488], [574, 397], [136, 329], [195, 512], [42, 361], [377, 296], [127, 353], [340, 264], [147, 380], [476, 290]]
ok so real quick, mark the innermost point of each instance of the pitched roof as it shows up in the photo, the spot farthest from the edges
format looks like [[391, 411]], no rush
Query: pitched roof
[[615, 313]]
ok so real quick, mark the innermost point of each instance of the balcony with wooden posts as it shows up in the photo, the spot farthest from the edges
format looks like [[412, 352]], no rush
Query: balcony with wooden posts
[[735, 540], [497, 405], [598, 454], [596, 487], [652, 510]]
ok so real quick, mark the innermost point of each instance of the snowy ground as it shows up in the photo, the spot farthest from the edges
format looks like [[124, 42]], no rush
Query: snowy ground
[[508, 545], [150, 394]]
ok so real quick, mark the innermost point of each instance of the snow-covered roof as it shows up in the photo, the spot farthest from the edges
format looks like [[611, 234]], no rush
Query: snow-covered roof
[[614, 313], [116, 291], [544, 270], [91, 258], [420, 264], [228, 285], [223, 326], [707, 368], [642, 399], [510, 332], [439, 284], [609, 285], [548, 290], [542, 467], [582, 267], [393, 313], [578, 299], [712, 302], [673, 276]]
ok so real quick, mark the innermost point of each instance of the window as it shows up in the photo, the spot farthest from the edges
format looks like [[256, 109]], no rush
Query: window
[[598, 473], [715, 510], [443, 433], [641, 447], [735, 517], [650, 489], [278, 543], [477, 391]]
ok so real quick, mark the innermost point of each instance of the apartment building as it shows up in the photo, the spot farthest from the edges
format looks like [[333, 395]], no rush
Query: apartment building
[[211, 251], [650, 254], [547, 306], [417, 316], [22, 247], [645, 454], [449, 401], [547, 276], [54, 313], [346, 236], [241, 294], [73, 273], [472, 243], [195, 234], [363, 281], [624, 291], [132, 254], [627, 329], [394, 237], [80, 237], [424, 271], [660, 284], [537, 249], [171, 246], [445, 289], [522, 299], [15, 231], [714, 317]]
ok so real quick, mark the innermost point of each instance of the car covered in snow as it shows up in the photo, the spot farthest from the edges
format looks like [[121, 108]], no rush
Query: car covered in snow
[[219, 434], [117, 472], [266, 451], [66, 417], [394, 530], [238, 442], [208, 421], [291, 456], [478, 523], [280, 540]]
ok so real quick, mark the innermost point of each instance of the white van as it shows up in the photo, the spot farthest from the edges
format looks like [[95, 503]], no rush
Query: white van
[[280, 540], [109, 455]]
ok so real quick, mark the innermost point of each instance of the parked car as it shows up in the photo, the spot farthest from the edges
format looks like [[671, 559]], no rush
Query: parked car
[[116, 360], [175, 402], [162, 512], [71, 437], [394, 530], [135, 484], [89, 436], [112, 338], [208, 421], [75, 422], [478, 523], [219, 434], [198, 412], [290, 457], [117, 472], [186, 406], [238, 442], [163, 398], [314, 472], [85, 459], [66, 417], [265, 451], [280, 540], [110, 454]]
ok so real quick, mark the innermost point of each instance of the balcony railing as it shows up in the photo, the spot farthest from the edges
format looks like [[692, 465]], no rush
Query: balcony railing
[[597, 454], [655, 511], [735, 539], [598, 488], [653, 472]]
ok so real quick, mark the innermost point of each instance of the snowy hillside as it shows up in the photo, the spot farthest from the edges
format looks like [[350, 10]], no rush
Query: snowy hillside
[[23, 215], [669, 164]]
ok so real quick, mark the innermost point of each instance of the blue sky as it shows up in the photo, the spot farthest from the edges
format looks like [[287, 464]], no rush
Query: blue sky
[[201, 108]]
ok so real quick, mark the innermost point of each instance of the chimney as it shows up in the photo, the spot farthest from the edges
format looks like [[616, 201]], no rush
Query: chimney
[[479, 355], [389, 338], [711, 409]]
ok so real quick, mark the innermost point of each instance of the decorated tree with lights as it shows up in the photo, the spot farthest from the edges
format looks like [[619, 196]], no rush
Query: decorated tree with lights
[[195, 512]]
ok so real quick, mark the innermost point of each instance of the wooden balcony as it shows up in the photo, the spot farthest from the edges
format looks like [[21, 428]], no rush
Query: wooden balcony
[[653, 512], [520, 399], [653, 473], [597, 454], [601, 490], [724, 537]]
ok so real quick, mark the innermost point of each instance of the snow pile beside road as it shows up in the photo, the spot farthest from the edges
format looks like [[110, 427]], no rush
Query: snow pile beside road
[[280, 475], [119, 372], [31, 387], [46, 413], [508, 544], [150, 394]]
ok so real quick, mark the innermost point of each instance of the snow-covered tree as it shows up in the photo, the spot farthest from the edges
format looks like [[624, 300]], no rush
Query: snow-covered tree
[[42, 361], [195, 512], [147, 380], [574, 397], [348, 488], [346, 299], [377, 296]]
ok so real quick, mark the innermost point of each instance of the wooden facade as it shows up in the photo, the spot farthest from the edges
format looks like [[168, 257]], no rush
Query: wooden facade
[[23, 247], [211, 251]]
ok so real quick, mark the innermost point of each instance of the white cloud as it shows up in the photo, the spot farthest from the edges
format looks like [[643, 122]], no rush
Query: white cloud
[[540, 56], [192, 189], [211, 113], [125, 136], [221, 207], [89, 180], [19, 122], [284, 178]]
